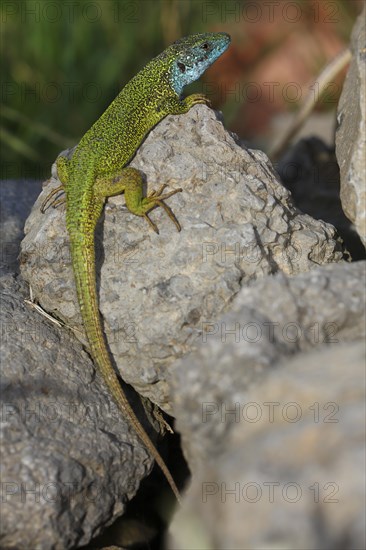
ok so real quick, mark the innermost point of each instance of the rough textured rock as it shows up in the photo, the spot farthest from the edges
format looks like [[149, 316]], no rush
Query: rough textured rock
[[290, 475], [70, 461], [269, 321], [238, 223], [351, 132]]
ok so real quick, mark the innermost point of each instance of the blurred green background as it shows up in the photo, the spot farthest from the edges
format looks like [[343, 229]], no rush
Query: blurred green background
[[63, 62]]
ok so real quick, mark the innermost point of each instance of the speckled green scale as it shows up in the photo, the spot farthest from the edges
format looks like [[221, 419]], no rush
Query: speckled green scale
[[98, 169]]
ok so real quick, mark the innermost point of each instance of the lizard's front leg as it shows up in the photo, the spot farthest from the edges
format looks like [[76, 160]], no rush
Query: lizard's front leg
[[172, 105], [130, 181]]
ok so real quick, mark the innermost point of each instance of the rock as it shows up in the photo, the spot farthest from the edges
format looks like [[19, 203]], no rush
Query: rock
[[310, 171], [351, 132], [289, 473], [16, 200], [70, 461], [126, 533], [269, 321], [238, 224], [272, 429]]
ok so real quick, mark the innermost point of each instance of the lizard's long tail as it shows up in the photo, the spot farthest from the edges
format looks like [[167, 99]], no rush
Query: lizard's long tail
[[83, 259]]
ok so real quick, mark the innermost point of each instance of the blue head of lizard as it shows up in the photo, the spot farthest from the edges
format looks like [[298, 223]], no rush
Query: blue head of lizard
[[193, 54]]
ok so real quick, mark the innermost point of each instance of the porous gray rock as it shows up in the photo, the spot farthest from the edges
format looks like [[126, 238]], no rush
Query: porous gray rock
[[70, 461], [268, 322], [238, 224], [290, 472], [351, 132], [272, 429]]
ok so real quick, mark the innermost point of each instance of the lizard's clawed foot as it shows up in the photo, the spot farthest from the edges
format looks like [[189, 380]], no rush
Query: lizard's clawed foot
[[196, 99], [157, 192], [155, 198], [54, 202]]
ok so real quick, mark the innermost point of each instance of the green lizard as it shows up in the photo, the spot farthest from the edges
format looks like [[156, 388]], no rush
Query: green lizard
[[98, 170]]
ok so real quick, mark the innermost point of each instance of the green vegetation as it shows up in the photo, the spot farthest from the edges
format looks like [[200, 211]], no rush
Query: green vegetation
[[63, 62]]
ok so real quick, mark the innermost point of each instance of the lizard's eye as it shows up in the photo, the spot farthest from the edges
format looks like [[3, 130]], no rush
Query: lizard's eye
[[204, 46], [181, 67]]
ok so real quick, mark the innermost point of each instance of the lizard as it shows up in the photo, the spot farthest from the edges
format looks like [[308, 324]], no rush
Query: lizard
[[99, 169]]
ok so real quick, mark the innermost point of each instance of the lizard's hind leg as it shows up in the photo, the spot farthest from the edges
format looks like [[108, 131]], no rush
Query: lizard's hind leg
[[158, 200], [62, 164], [129, 180], [54, 202]]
